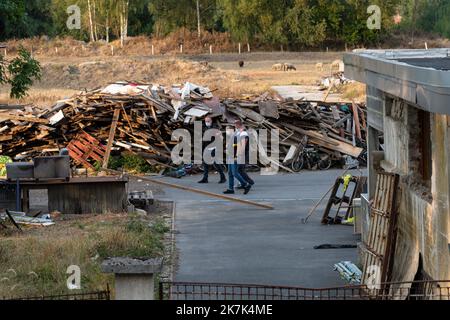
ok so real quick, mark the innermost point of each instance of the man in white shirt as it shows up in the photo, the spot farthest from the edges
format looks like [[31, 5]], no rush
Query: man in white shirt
[[243, 153]]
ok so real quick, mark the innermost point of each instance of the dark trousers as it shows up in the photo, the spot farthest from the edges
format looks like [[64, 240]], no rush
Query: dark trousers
[[242, 171], [216, 166]]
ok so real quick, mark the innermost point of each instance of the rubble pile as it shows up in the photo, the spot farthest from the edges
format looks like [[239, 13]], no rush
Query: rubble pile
[[147, 116]]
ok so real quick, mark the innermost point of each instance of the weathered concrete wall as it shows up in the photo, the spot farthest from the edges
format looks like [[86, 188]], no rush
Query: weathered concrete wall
[[135, 287], [436, 243], [396, 145], [423, 228]]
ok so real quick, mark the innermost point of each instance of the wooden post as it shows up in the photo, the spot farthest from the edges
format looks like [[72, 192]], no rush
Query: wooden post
[[112, 134], [56, 50], [211, 50], [6, 52], [248, 47], [112, 50], [240, 48], [356, 120], [181, 49], [426, 46], [153, 50], [206, 193]]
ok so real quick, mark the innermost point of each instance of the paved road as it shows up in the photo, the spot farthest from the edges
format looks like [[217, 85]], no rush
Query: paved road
[[224, 242]]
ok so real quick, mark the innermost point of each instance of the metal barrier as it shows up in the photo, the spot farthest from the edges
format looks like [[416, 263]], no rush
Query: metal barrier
[[418, 290]]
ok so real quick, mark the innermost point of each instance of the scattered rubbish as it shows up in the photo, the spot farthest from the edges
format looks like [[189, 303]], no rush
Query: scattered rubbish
[[20, 218], [351, 163], [148, 115], [349, 272], [141, 200], [337, 80]]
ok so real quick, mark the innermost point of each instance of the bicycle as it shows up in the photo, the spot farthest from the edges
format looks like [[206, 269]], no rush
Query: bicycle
[[308, 156]]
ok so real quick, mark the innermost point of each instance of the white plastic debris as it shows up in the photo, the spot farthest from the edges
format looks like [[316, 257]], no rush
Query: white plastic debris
[[56, 118], [127, 89]]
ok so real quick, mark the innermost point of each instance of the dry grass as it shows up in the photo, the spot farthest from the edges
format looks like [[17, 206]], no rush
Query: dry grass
[[354, 91], [76, 66], [170, 45], [134, 46], [63, 77], [35, 262], [38, 97]]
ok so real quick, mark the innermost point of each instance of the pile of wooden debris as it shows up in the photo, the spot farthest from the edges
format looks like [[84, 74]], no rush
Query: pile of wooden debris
[[141, 118]]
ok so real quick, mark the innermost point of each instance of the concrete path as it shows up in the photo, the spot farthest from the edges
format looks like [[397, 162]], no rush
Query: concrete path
[[224, 242]]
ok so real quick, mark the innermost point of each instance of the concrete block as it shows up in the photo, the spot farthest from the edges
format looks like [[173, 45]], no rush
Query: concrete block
[[134, 278]]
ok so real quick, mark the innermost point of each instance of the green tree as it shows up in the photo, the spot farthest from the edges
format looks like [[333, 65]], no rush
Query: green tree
[[306, 28], [12, 13], [170, 15], [20, 73], [37, 19]]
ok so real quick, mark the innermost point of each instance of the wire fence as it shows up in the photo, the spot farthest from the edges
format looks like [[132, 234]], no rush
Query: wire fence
[[96, 295], [418, 290]]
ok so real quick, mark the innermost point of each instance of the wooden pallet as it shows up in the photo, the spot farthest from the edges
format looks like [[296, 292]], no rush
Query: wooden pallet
[[380, 247], [85, 148]]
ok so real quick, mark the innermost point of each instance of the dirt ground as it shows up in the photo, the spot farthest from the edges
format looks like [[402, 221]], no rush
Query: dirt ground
[[65, 76]]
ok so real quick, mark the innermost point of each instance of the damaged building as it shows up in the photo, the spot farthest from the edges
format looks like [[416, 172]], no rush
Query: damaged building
[[408, 101]]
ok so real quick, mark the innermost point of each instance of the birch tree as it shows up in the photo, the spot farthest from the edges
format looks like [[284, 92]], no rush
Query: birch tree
[[124, 9], [91, 22], [199, 23]]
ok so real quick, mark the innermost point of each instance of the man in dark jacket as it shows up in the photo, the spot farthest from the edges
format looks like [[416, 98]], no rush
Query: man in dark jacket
[[210, 125]]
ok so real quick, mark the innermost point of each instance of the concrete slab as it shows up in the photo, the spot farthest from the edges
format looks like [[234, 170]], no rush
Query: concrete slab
[[308, 93], [224, 242]]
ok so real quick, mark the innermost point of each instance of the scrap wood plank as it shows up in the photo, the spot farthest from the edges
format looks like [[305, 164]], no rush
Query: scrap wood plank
[[206, 193], [356, 120], [12, 220], [4, 117], [327, 142], [126, 118], [11, 107], [112, 134]]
